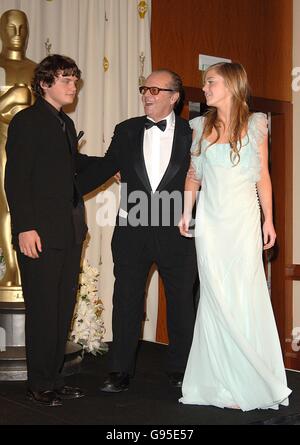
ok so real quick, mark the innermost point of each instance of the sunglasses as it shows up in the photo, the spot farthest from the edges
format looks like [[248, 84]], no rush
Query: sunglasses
[[153, 90]]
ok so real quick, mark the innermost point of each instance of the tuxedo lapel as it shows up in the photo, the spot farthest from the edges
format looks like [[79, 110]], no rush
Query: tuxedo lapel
[[177, 155], [67, 132], [139, 161]]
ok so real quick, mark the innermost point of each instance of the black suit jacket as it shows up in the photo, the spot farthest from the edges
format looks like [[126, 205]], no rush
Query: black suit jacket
[[42, 162], [125, 154]]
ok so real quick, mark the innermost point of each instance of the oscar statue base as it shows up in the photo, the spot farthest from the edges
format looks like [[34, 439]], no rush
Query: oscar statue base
[[13, 362], [11, 294], [12, 345]]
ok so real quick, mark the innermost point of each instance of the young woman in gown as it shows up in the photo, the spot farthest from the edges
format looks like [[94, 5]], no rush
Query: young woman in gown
[[235, 359]]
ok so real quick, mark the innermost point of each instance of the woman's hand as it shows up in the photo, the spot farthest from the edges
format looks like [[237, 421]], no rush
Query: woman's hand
[[269, 235], [118, 177], [184, 225]]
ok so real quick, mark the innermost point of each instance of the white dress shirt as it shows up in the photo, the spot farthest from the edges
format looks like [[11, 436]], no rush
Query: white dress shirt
[[157, 150]]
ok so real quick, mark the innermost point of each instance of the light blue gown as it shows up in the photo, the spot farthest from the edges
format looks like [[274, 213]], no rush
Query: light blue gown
[[235, 358]]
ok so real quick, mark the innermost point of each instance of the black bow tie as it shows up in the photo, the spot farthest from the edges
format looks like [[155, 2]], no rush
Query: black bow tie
[[162, 125]]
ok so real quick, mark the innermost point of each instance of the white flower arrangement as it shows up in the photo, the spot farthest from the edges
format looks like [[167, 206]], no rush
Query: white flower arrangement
[[87, 325]]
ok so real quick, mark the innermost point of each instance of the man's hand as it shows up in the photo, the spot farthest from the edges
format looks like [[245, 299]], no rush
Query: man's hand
[[30, 243], [191, 174]]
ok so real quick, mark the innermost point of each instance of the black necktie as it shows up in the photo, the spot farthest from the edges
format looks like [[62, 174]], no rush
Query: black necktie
[[61, 120], [162, 125]]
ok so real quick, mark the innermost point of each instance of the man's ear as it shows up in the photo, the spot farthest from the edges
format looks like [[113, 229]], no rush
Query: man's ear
[[43, 85], [175, 98]]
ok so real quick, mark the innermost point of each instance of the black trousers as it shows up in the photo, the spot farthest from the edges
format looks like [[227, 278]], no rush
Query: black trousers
[[178, 275], [49, 285]]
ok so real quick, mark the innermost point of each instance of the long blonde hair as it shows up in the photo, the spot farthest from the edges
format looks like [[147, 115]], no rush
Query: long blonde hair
[[235, 78]]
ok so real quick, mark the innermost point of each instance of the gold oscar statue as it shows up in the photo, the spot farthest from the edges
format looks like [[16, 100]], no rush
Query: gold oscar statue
[[16, 72]]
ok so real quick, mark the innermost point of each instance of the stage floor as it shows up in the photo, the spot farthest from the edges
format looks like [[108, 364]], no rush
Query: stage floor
[[150, 400]]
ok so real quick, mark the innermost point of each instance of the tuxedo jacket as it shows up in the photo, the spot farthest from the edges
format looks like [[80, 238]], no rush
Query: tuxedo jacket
[[125, 154], [42, 162]]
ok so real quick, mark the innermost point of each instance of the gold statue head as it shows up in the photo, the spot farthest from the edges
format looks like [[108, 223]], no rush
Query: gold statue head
[[14, 30]]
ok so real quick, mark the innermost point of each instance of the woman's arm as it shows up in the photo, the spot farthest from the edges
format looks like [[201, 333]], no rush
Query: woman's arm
[[264, 188], [191, 188]]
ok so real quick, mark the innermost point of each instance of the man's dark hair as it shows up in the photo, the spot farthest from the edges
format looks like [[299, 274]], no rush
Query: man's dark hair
[[176, 84], [51, 67]]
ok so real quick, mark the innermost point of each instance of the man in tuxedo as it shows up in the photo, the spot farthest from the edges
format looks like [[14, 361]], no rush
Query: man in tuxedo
[[152, 154], [48, 226]]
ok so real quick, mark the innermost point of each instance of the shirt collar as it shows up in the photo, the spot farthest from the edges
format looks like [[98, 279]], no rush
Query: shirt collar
[[51, 107], [170, 120], [57, 113]]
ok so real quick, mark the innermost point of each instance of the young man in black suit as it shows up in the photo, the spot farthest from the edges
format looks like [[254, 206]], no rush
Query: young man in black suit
[[48, 226], [152, 153]]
